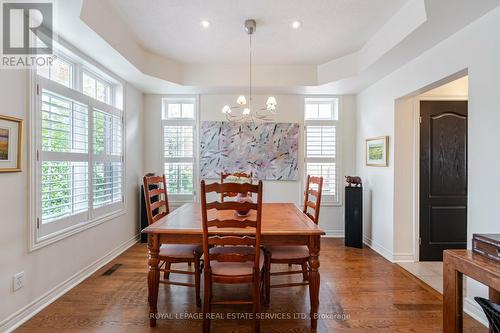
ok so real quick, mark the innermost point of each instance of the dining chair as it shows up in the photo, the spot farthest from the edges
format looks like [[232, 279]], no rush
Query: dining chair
[[223, 177], [156, 197], [231, 246], [295, 254]]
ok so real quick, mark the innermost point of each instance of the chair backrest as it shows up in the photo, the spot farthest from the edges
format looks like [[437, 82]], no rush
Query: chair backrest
[[225, 218], [223, 177], [314, 187], [156, 197]]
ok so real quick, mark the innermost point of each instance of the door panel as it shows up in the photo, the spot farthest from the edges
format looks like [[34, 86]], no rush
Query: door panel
[[448, 139], [443, 178]]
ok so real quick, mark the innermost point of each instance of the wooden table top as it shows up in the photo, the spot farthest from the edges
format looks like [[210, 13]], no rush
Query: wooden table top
[[475, 260], [277, 219]]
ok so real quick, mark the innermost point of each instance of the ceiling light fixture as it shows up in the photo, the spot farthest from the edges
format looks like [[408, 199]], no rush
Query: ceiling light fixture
[[296, 24], [205, 24], [244, 110]]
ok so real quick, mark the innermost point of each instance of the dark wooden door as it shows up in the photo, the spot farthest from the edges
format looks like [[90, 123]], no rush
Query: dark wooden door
[[443, 178]]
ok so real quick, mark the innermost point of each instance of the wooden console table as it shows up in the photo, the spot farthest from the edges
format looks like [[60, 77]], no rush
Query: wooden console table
[[456, 264]]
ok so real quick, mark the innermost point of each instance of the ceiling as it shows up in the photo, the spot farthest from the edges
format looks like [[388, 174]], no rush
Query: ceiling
[[330, 28]]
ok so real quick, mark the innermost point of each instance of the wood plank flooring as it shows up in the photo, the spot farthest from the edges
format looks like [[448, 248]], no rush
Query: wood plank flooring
[[360, 292]]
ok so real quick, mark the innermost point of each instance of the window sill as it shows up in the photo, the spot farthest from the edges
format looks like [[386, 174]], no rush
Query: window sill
[[38, 243]]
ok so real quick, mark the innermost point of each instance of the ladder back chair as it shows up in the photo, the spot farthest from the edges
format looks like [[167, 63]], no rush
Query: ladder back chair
[[156, 197], [223, 177], [231, 246], [294, 254]]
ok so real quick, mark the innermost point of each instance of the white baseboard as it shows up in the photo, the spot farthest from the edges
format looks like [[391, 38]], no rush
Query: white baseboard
[[378, 248], [334, 233], [474, 310], [403, 257], [19, 317]]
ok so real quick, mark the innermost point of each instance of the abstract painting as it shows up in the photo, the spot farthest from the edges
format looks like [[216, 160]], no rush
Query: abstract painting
[[4, 144], [269, 150]]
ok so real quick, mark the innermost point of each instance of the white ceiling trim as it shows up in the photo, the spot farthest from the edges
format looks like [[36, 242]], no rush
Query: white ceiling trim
[[416, 27], [95, 14]]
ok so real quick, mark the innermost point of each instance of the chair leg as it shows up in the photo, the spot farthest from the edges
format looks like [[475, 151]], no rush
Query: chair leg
[[189, 263], [206, 302], [267, 280], [305, 274], [166, 275], [256, 304], [289, 265], [197, 274]]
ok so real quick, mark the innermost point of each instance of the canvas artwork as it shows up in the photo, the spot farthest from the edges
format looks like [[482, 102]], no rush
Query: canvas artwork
[[269, 150], [11, 133], [376, 151], [4, 144]]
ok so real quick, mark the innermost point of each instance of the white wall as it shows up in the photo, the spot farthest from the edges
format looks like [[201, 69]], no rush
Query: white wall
[[476, 49], [50, 266], [291, 109]]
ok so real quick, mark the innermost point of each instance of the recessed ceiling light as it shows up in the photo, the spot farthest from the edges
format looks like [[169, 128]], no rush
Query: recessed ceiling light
[[205, 24], [296, 24]]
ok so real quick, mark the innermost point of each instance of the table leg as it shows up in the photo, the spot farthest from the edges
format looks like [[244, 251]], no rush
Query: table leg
[[314, 245], [494, 296], [452, 298], [153, 277]]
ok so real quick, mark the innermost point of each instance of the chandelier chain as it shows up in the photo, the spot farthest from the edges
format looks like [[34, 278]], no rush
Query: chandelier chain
[[250, 104]]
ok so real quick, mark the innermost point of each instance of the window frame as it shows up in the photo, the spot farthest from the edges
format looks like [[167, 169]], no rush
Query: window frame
[[194, 122], [40, 236], [326, 200]]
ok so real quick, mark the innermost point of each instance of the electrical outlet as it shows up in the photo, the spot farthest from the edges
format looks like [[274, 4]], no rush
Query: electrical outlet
[[18, 281]]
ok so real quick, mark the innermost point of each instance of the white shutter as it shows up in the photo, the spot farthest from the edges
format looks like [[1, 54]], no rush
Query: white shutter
[[179, 119], [321, 121], [179, 178], [77, 170], [64, 189], [321, 141], [178, 141], [64, 155], [107, 175], [64, 124], [80, 165], [328, 172], [107, 183]]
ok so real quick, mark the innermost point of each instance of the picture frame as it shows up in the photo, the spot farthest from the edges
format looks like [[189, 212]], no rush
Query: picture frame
[[11, 143], [377, 151]]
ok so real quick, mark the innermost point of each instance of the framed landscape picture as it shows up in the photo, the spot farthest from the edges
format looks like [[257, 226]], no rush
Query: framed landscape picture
[[11, 134], [377, 151]]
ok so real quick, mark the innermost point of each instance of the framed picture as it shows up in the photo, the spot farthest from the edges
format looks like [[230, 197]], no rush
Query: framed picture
[[11, 136], [377, 151]]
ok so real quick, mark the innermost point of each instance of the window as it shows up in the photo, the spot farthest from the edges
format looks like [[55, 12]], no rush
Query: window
[[321, 108], [79, 164], [95, 87], [321, 142], [179, 123], [61, 72]]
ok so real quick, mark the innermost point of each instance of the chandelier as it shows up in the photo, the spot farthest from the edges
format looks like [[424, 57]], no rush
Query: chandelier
[[244, 110]]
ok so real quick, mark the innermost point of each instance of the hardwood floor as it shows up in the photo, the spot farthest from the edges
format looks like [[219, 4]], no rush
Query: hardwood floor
[[372, 294]]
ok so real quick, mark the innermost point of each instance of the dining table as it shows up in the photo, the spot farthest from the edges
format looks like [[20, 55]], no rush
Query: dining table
[[282, 224]]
